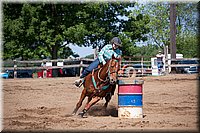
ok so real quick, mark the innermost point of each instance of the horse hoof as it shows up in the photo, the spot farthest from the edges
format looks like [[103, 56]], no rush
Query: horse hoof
[[73, 114], [82, 115]]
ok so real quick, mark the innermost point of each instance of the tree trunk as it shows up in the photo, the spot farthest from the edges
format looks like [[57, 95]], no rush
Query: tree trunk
[[54, 54], [173, 34], [173, 30]]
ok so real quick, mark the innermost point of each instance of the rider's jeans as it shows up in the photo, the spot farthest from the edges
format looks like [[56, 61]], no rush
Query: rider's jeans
[[92, 66], [160, 65]]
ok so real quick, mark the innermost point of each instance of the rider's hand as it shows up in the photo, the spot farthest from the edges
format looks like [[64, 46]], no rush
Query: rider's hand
[[104, 62]]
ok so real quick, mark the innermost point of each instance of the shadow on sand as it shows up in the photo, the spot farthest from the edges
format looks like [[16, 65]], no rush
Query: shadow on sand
[[98, 110]]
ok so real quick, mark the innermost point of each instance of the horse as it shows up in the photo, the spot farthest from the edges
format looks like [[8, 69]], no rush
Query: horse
[[98, 84]]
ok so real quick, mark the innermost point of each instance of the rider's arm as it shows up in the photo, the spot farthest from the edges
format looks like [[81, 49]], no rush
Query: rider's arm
[[117, 53], [101, 53], [120, 61]]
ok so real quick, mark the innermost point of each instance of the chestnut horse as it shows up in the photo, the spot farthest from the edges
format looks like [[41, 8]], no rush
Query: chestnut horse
[[98, 84]]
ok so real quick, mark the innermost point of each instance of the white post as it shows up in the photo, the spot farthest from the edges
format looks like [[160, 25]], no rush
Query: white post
[[166, 61], [44, 69], [15, 69], [142, 61], [81, 67]]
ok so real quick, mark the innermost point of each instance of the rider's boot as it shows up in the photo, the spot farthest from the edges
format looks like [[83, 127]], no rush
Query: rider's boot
[[79, 82]]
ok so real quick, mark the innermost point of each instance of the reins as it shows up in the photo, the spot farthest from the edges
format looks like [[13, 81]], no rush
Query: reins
[[101, 80], [107, 78]]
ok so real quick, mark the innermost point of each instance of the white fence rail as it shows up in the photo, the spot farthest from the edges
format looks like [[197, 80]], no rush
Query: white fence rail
[[83, 62]]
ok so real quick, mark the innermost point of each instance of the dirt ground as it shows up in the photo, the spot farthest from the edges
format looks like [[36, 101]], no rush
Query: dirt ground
[[169, 103]]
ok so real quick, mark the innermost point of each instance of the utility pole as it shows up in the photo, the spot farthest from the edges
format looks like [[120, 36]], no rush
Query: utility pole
[[173, 34]]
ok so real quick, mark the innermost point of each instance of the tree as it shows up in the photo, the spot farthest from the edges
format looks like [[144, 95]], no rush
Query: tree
[[188, 46], [19, 35], [187, 42], [159, 24], [47, 29]]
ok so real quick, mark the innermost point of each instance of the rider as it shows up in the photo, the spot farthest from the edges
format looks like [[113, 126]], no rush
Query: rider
[[104, 55], [160, 58]]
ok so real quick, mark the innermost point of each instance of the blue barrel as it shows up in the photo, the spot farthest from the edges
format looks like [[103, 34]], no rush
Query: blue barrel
[[130, 102]]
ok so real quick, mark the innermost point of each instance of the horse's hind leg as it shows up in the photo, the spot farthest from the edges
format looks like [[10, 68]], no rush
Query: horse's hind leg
[[78, 105], [89, 104]]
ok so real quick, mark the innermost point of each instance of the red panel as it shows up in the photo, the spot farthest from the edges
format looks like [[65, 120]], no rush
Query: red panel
[[40, 74], [49, 73], [130, 89]]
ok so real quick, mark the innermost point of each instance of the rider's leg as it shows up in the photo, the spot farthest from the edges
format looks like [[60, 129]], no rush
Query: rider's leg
[[92, 66], [158, 64], [86, 71]]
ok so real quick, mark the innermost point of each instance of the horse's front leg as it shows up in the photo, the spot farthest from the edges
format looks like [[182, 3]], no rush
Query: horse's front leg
[[78, 105], [107, 98], [93, 101]]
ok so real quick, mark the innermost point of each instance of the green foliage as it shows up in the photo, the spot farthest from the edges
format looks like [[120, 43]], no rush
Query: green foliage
[[159, 22], [149, 50], [186, 23], [91, 56], [188, 46], [32, 30], [19, 34]]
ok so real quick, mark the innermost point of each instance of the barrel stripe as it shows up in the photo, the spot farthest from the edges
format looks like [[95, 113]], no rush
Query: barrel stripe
[[130, 100], [132, 89]]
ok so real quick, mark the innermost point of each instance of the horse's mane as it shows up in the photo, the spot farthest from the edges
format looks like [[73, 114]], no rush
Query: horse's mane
[[101, 66]]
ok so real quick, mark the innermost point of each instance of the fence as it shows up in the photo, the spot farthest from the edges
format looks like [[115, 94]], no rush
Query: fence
[[135, 66], [182, 63], [47, 64], [142, 70]]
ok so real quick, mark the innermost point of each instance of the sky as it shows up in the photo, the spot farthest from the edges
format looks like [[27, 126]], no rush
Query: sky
[[82, 51]]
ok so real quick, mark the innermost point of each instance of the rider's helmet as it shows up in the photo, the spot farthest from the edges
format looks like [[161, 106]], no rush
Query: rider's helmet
[[117, 41]]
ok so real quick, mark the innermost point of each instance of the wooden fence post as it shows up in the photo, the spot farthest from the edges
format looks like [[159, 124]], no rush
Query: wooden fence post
[[81, 67], [44, 69], [15, 69], [142, 63], [166, 60]]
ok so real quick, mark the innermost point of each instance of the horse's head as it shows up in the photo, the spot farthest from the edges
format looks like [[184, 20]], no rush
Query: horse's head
[[113, 70]]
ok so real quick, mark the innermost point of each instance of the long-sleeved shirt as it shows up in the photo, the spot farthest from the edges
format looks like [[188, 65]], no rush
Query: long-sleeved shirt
[[160, 58], [107, 52]]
